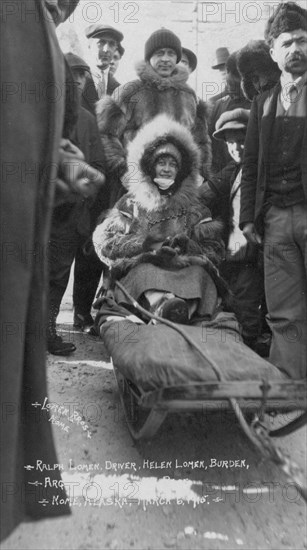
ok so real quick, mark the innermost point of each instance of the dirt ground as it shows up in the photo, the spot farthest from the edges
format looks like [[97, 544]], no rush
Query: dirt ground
[[163, 497]]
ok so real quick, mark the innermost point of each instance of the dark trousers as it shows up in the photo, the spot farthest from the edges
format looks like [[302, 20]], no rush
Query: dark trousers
[[87, 273], [62, 249], [66, 244], [285, 266], [246, 280]]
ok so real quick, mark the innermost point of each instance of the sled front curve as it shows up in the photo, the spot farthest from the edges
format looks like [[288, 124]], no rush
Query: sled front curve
[[142, 422]]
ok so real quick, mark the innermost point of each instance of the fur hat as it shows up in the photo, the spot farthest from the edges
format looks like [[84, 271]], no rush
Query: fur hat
[[168, 149], [236, 119], [255, 59], [162, 38], [287, 17], [231, 65]]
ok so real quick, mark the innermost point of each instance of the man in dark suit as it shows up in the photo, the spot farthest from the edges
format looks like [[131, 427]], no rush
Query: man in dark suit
[[102, 82], [274, 188]]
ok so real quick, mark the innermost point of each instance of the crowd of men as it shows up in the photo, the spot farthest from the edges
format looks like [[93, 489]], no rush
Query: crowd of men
[[252, 142]]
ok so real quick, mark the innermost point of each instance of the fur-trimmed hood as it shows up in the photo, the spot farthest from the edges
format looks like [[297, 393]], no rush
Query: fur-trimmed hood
[[255, 58], [159, 131]]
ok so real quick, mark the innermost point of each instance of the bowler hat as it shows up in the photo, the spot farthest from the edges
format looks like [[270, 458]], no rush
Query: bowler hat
[[76, 62], [191, 58], [97, 30], [236, 119], [221, 55]]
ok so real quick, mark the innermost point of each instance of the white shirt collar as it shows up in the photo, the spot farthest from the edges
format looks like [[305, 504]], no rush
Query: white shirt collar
[[286, 84]]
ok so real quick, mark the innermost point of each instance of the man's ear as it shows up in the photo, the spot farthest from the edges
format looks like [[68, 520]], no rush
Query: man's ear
[[272, 53]]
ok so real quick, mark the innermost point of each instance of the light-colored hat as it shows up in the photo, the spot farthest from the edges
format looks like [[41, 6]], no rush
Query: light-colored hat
[[236, 119], [97, 30]]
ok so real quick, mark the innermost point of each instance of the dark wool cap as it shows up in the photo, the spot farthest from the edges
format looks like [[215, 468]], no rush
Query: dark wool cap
[[287, 17], [162, 38]]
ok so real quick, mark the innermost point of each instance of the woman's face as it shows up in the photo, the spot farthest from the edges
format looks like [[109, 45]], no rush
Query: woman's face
[[166, 167]]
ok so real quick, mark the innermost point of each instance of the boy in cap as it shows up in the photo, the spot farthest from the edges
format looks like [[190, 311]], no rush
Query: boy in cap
[[161, 88], [231, 98], [274, 188], [222, 194]]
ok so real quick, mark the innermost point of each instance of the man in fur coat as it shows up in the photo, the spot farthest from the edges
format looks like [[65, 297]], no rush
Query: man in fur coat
[[159, 237], [161, 87]]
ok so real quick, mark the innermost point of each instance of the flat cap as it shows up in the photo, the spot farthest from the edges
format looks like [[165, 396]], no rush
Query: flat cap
[[97, 30], [236, 119], [76, 62]]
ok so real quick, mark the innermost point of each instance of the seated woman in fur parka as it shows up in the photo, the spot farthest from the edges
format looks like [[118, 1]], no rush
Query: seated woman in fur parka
[[159, 239]]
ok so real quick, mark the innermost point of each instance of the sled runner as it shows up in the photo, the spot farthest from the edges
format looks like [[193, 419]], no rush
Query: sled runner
[[159, 371]]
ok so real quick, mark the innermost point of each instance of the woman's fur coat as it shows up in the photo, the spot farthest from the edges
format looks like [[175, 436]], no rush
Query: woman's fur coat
[[134, 104], [143, 219]]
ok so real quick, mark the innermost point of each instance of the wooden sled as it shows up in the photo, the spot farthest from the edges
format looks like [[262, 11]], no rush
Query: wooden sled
[[163, 368], [146, 410]]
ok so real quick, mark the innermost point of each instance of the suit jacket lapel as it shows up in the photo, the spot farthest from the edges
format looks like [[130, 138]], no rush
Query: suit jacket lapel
[[268, 118], [112, 84]]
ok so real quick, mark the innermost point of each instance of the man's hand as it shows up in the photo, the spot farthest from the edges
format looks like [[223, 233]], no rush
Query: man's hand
[[251, 234], [75, 175]]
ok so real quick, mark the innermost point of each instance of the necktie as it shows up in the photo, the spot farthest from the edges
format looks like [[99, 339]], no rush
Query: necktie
[[101, 86], [293, 93], [289, 95]]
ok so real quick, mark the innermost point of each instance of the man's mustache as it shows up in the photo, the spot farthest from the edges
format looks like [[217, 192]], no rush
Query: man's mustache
[[297, 57]]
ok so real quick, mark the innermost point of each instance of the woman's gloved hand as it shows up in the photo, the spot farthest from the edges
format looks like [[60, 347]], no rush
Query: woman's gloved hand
[[179, 243]]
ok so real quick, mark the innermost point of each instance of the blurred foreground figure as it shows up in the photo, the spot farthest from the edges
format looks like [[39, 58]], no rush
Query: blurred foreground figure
[[31, 131]]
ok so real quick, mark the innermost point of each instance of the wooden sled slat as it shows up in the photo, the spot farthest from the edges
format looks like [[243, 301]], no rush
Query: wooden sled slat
[[145, 411]]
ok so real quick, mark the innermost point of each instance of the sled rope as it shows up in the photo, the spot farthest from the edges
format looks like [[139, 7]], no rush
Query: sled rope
[[258, 433]]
